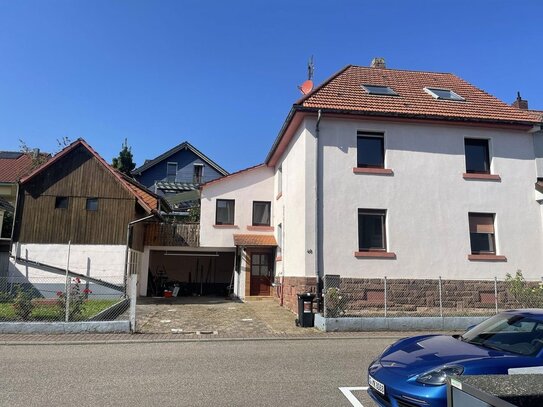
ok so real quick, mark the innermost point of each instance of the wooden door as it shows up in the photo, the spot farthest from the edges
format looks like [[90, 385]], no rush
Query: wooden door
[[261, 273]]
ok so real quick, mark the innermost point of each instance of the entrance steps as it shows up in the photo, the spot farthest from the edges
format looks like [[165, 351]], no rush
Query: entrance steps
[[258, 298]]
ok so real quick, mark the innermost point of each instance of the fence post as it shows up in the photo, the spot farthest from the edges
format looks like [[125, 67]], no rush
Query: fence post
[[386, 297], [68, 283], [440, 299], [496, 292], [133, 293]]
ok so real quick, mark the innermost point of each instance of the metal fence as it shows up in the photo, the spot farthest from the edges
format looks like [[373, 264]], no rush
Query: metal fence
[[385, 297], [59, 298]]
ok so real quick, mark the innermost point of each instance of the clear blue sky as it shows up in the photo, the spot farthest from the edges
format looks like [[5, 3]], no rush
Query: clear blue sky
[[223, 74]]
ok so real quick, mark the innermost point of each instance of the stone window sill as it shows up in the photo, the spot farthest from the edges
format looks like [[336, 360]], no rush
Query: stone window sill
[[225, 226], [486, 257], [260, 228], [279, 258], [375, 255], [482, 177], [374, 171]]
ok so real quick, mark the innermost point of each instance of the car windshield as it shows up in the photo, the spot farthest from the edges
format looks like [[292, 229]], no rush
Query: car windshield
[[507, 332]]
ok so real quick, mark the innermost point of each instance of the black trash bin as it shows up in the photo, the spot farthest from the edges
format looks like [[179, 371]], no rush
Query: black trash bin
[[306, 318]]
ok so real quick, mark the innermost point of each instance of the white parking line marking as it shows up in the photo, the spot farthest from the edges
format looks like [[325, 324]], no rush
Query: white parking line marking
[[347, 392]]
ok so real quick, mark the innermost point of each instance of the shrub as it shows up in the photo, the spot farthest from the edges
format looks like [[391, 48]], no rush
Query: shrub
[[23, 304], [525, 294], [76, 303], [333, 302]]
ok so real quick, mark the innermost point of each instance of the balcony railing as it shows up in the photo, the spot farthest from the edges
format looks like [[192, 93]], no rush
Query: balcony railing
[[172, 234]]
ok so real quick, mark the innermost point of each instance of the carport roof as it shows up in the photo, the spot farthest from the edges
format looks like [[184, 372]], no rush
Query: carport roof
[[255, 240]]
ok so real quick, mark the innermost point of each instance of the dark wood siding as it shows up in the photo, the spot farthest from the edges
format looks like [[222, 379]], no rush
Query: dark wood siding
[[78, 176]]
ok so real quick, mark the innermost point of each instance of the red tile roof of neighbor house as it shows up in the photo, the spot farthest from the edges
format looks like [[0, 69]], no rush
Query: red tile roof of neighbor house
[[227, 177], [255, 240], [15, 165], [344, 91], [147, 199]]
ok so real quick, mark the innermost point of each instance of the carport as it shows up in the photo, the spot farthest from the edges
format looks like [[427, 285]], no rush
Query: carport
[[187, 271]]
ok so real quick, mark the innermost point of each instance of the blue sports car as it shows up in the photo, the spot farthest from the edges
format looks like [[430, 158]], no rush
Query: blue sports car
[[413, 371]]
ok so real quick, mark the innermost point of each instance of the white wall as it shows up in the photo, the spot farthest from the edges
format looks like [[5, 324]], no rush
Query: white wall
[[295, 208], [105, 262], [252, 185], [427, 201]]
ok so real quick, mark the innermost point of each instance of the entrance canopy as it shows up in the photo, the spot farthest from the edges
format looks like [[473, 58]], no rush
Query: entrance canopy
[[255, 240]]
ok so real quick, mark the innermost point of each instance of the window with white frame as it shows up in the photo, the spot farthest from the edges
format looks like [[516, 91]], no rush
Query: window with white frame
[[261, 213], [225, 212], [481, 233]]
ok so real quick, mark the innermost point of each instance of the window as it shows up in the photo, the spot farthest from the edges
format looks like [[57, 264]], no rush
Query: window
[[61, 202], [477, 156], [198, 173], [370, 150], [371, 229], [171, 171], [444, 94], [261, 213], [481, 233], [225, 212], [92, 204], [379, 90]]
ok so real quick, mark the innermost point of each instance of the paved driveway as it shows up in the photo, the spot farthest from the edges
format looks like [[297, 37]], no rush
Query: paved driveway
[[217, 316]]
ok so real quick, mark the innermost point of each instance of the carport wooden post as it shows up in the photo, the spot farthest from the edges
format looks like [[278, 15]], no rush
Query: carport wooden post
[[133, 292]]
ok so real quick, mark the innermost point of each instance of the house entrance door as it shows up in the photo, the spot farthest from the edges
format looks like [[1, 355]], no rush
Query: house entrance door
[[261, 273]]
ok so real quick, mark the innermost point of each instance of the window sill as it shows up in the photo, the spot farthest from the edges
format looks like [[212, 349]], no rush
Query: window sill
[[279, 258], [279, 195], [482, 177], [225, 226], [374, 171], [486, 257], [260, 228], [375, 255]]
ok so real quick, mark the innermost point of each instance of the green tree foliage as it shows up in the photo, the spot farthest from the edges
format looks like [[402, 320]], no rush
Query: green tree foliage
[[125, 161]]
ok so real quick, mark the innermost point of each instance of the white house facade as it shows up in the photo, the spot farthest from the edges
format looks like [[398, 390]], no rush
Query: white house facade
[[398, 174]]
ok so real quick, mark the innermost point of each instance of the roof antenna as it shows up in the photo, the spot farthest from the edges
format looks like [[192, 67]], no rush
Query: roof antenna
[[307, 86]]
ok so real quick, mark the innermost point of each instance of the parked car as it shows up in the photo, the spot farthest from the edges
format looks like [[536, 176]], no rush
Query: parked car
[[413, 371]]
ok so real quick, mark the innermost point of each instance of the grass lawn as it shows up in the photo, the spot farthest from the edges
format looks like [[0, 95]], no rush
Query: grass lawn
[[51, 311]]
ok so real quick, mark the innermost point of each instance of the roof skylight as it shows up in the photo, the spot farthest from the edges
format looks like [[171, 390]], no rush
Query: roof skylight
[[443, 94], [379, 90]]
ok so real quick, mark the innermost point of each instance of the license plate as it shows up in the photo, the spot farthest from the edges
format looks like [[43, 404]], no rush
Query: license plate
[[377, 386]]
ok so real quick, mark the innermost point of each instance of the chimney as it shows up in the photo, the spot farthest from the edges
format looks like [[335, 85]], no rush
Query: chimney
[[520, 103], [378, 62]]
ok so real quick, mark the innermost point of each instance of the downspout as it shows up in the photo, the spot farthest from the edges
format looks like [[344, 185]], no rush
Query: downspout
[[317, 210], [128, 230]]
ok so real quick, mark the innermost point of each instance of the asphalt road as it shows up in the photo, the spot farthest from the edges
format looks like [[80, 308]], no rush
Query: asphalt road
[[216, 373]]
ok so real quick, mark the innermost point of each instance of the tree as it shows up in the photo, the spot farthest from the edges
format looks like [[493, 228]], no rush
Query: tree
[[124, 162]]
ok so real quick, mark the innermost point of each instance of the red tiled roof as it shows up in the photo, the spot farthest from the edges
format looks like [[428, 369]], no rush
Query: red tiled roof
[[149, 201], [17, 166], [344, 91], [255, 240], [232, 174]]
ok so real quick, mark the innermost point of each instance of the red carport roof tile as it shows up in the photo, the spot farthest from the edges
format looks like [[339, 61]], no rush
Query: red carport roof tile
[[255, 240], [344, 92]]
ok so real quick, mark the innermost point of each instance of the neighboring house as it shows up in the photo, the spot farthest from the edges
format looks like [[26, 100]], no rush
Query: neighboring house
[[77, 202], [179, 170], [13, 166], [389, 173]]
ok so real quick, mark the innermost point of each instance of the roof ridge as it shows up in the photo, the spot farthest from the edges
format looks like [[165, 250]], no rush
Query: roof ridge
[[233, 173], [402, 70]]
